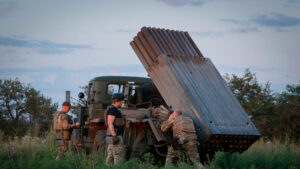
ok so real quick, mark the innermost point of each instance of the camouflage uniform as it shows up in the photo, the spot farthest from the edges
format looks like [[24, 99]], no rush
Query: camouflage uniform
[[115, 152], [61, 129], [184, 130], [62, 150]]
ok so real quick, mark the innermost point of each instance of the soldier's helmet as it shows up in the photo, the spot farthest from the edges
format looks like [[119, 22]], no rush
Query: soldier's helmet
[[117, 97]]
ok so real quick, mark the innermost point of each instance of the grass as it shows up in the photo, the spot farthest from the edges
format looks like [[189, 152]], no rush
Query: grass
[[261, 155], [36, 153]]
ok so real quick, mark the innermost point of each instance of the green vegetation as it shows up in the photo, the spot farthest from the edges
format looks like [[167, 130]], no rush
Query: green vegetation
[[24, 109], [276, 115], [35, 153], [261, 155]]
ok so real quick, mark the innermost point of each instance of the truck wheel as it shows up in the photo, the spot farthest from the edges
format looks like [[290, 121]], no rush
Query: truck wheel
[[99, 142]]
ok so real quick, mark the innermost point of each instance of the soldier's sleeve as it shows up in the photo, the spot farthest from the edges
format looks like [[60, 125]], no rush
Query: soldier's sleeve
[[167, 124], [64, 121]]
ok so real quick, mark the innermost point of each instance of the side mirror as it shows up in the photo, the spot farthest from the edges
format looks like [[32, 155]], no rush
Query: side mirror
[[81, 95]]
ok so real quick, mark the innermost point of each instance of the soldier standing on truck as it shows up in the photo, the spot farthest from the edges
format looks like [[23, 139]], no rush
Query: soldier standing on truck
[[184, 137], [115, 130], [62, 129]]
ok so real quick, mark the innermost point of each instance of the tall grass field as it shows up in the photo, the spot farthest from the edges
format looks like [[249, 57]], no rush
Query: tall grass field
[[39, 153]]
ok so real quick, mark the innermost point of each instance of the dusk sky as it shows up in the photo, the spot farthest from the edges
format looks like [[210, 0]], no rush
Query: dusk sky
[[58, 45]]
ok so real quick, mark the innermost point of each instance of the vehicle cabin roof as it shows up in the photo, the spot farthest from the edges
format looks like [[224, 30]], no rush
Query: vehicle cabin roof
[[123, 79]]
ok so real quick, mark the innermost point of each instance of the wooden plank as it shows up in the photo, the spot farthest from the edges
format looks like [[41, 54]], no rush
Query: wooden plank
[[156, 131]]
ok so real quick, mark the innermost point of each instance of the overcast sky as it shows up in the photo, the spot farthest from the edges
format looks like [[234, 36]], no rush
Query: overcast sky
[[58, 45]]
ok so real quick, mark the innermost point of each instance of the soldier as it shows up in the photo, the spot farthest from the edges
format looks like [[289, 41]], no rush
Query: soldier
[[115, 130], [62, 129], [184, 137]]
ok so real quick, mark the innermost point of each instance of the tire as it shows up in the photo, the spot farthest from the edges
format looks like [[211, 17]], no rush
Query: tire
[[99, 142]]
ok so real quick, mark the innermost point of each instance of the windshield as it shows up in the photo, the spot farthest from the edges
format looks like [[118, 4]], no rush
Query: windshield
[[114, 88]]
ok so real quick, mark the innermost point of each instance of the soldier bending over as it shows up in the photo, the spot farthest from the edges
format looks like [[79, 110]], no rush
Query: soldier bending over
[[185, 135]]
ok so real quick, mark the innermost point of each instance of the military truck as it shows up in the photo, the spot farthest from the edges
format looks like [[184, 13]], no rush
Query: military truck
[[141, 96], [181, 78]]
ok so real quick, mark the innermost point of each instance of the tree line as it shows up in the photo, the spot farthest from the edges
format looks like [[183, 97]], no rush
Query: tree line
[[24, 109], [276, 115]]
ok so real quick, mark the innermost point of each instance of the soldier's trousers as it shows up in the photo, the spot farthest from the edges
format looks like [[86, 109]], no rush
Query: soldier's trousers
[[191, 151], [115, 152], [62, 150]]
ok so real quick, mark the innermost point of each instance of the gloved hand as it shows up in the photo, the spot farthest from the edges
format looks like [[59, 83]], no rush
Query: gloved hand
[[175, 144], [115, 139]]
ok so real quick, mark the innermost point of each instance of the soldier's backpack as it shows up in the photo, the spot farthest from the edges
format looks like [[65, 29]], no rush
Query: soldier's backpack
[[186, 125]]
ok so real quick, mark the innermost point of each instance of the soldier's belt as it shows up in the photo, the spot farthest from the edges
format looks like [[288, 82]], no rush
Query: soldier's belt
[[59, 140], [62, 134]]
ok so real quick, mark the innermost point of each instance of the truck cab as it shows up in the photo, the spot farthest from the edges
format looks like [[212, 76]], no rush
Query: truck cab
[[141, 96], [138, 91]]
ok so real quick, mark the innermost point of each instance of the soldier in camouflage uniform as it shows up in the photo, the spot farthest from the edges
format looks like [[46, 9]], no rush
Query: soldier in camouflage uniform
[[115, 129], [62, 128], [185, 135]]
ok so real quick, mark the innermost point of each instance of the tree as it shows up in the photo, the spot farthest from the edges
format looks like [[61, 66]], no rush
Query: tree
[[275, 115], [40, 110], [12, 99], [288, 109], [256, 99], [22, 108]]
